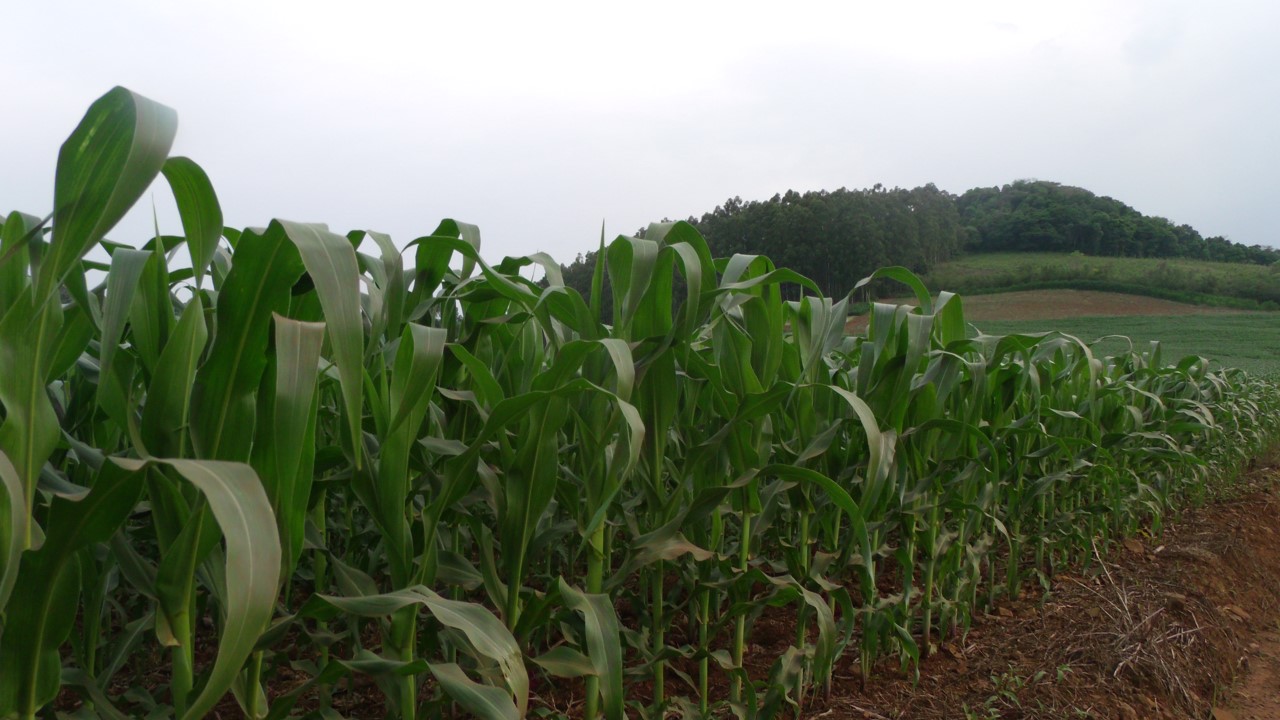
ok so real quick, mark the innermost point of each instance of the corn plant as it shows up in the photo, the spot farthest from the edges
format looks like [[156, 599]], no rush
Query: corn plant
[[268, 465]]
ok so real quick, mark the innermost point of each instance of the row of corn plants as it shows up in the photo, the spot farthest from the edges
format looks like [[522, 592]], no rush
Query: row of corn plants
[[270, 467]]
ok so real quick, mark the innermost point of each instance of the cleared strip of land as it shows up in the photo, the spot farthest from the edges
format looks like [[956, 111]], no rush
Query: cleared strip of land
[[1056, 304]]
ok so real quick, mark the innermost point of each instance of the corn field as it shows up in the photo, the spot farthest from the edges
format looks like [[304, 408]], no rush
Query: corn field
[[263, 467]]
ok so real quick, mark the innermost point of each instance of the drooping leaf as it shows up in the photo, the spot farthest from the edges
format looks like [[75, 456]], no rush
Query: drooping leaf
[[103, 168], [483, 701], [239, 504], [604, 644]]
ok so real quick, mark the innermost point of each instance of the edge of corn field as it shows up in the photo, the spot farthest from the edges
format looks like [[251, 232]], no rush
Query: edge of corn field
[[488, 499], [1178, 625]]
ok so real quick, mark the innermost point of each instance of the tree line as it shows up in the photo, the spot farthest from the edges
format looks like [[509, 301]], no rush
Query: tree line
[[838, 237], [1040, 216], [833, 237]]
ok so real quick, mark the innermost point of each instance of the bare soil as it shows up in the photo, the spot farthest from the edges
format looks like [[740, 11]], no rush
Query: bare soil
[[1057, 304], [1258, 695], [1176, 627]]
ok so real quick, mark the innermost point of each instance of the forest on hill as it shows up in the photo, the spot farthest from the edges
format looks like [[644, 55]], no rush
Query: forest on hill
[[1039, 216], [838, 237]]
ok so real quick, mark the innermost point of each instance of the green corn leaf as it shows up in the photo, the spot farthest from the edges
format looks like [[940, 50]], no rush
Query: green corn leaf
[[631, 263], [73, 337], [175, 581], [488, 637], [483, 701], [199, 209], [165, 415], [30, 432], [904, 276], [265, 268], [288, 452], [434, 252], [102, 705], [151, 317], [371, 664], [42, 614], [604, 644], [122, 281], [240, 506], [417, 365], [103, 168], [16, 233], [564, 661], [331, 262], [13, 527], [394, 290], [485, 386]]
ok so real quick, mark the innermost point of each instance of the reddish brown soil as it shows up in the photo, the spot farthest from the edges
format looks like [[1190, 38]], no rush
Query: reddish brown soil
[[1258, 696], [1179, 626], [1055, 304]]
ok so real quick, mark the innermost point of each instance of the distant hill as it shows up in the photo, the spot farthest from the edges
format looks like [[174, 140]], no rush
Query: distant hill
[[1040, 216], [838, 237]]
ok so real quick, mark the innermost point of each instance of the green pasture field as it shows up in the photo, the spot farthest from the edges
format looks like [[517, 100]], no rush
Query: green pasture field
[[1250, 341]]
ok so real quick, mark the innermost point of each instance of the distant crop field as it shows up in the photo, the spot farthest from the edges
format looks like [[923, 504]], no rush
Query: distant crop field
[[1054, 304], [1250, 341], [1231, 338]]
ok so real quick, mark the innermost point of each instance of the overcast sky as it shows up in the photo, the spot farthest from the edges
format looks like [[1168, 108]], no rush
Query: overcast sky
[[539, 120]]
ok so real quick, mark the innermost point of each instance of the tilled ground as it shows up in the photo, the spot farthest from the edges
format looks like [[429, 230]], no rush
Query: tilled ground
[[1179, 626], [1058, 304], [1054, 304]]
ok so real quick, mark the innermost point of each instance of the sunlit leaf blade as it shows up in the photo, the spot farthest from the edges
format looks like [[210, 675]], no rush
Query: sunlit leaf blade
[[199, 209], [331, 262], [288, 450], [103, 168]]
